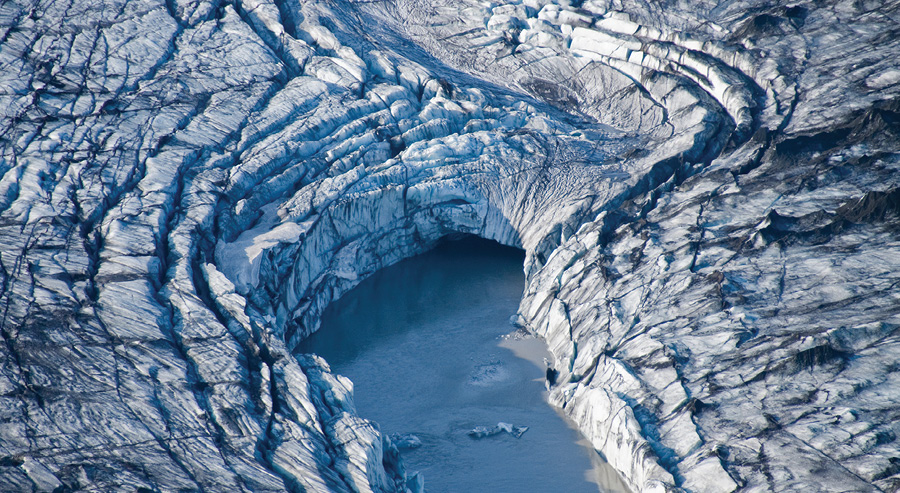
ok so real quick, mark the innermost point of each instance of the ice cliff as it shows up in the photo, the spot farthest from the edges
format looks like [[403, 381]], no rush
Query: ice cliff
[[708, 194]]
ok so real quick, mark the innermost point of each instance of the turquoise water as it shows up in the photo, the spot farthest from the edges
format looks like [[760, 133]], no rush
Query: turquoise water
[[430, 349]]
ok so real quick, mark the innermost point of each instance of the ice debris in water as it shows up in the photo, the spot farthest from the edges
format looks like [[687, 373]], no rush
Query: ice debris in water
[[489, 373], [484, 431], [406, 441]]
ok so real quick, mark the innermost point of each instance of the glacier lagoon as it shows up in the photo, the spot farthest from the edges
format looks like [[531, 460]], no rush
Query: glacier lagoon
[[430, 348]]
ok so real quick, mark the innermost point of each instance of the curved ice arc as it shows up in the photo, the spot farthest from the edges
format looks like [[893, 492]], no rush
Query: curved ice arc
[[706, 195]]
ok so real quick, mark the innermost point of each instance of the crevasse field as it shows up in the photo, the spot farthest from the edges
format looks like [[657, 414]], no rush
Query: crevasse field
[[706, 193]]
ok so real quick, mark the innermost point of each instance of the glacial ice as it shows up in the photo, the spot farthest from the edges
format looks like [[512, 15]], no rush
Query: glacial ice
[[404, 441], [707, 194], [500, 427]]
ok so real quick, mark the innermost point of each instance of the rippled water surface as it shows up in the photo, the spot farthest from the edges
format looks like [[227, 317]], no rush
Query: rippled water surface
[[430, 349]]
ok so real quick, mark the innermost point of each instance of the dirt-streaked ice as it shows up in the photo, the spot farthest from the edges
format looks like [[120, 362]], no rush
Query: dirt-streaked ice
[[707, 195]]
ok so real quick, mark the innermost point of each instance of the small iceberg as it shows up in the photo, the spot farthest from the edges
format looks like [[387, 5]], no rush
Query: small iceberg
[[405, 441], [484, 431]]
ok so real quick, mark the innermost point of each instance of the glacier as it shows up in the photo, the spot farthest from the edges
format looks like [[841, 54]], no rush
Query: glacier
[[707, 194]]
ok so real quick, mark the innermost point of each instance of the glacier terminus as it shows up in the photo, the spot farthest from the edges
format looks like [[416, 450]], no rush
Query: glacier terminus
[[707, 195]]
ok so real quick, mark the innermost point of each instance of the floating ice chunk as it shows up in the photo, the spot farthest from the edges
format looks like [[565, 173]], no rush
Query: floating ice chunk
[[484, 431], [406, 441]]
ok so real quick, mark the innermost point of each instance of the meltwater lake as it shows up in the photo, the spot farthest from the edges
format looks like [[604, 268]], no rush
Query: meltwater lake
[[429, 346]]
